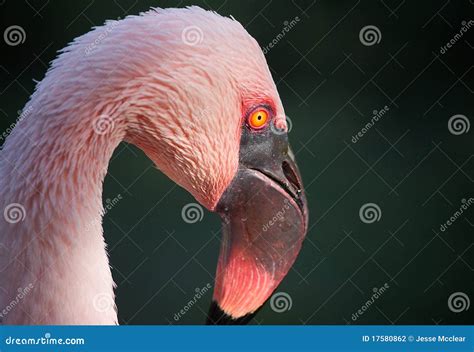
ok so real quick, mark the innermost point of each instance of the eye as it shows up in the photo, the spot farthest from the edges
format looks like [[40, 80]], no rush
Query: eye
[[258, 119]]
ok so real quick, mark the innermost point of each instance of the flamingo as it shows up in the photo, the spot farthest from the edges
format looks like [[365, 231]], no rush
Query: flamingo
[[190, 88]]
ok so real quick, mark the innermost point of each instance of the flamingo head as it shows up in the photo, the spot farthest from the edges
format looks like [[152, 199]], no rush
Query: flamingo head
[[212, 120]]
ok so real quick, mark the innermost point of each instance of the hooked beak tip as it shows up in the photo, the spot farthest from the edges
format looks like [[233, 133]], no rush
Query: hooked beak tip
[[217, 316]]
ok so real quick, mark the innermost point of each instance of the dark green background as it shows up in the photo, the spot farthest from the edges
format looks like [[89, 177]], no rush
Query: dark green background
[[408, 163]]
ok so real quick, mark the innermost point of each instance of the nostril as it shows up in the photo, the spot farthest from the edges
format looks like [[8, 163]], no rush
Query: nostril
[[291, 175]]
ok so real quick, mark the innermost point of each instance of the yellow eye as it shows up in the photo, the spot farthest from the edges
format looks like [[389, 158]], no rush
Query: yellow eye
[[258, 119]]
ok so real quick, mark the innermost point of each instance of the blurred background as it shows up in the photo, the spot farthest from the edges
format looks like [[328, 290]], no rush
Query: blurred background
[[378, 199]]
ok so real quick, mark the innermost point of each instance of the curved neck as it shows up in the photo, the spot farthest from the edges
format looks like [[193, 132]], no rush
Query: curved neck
[[138, 83], [52, 168]]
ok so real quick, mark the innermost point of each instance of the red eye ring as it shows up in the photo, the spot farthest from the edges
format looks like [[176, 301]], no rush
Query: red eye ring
[[258, 119]]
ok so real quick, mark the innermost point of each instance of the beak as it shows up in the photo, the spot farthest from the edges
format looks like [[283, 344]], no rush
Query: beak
[[265, 221]]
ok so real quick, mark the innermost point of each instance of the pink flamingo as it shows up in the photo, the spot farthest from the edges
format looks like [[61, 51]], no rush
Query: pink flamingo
[[191, 89]]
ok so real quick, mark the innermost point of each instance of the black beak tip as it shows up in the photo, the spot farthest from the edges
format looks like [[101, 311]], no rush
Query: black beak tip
[[217, 316]]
